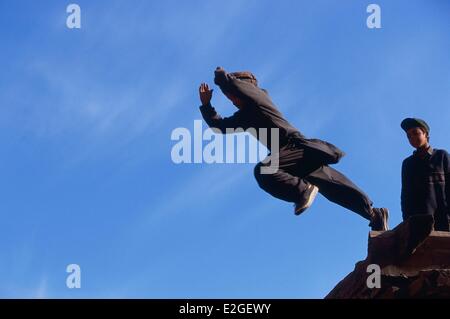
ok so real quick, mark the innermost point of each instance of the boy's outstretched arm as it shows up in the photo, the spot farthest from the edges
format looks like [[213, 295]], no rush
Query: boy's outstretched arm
[[212, 118]]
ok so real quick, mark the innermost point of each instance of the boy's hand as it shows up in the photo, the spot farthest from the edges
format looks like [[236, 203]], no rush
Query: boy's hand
[[205, 93]]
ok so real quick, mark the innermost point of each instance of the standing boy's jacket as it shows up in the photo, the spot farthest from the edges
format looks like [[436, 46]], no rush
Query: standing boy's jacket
[[426, 187], [260, 112]]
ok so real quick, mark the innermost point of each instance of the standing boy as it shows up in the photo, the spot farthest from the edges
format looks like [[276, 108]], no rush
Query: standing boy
[[425, 177]]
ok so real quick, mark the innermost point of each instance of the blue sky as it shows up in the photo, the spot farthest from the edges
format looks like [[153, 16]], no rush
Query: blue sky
[[85, 123]]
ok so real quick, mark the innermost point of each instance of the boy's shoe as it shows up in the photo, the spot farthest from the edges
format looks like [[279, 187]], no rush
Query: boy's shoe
[[308, 197], [379, 220]]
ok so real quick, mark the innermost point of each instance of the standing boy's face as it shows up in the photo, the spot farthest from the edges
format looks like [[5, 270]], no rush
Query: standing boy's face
[[417, 137]]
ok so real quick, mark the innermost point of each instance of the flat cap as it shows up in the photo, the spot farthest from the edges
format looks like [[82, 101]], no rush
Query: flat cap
[[409, 123]]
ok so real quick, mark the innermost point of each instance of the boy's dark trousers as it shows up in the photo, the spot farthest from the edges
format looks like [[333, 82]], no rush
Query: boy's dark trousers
[[297, 167]]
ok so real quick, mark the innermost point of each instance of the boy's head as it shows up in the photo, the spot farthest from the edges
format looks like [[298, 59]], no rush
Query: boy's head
[[417, 131], [221, 79]]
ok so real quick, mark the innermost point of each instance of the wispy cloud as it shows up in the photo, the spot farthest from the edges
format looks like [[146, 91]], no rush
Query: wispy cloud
[[41, 291]]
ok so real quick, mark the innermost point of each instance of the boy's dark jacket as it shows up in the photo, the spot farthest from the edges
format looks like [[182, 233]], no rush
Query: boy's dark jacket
[[260, 112], [426, 187]]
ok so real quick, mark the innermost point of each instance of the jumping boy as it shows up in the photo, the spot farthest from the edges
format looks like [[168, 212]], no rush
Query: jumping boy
[[425, 177], [303, 164]]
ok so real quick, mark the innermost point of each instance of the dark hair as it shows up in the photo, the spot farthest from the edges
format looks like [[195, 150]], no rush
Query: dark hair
[[245, 76]]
